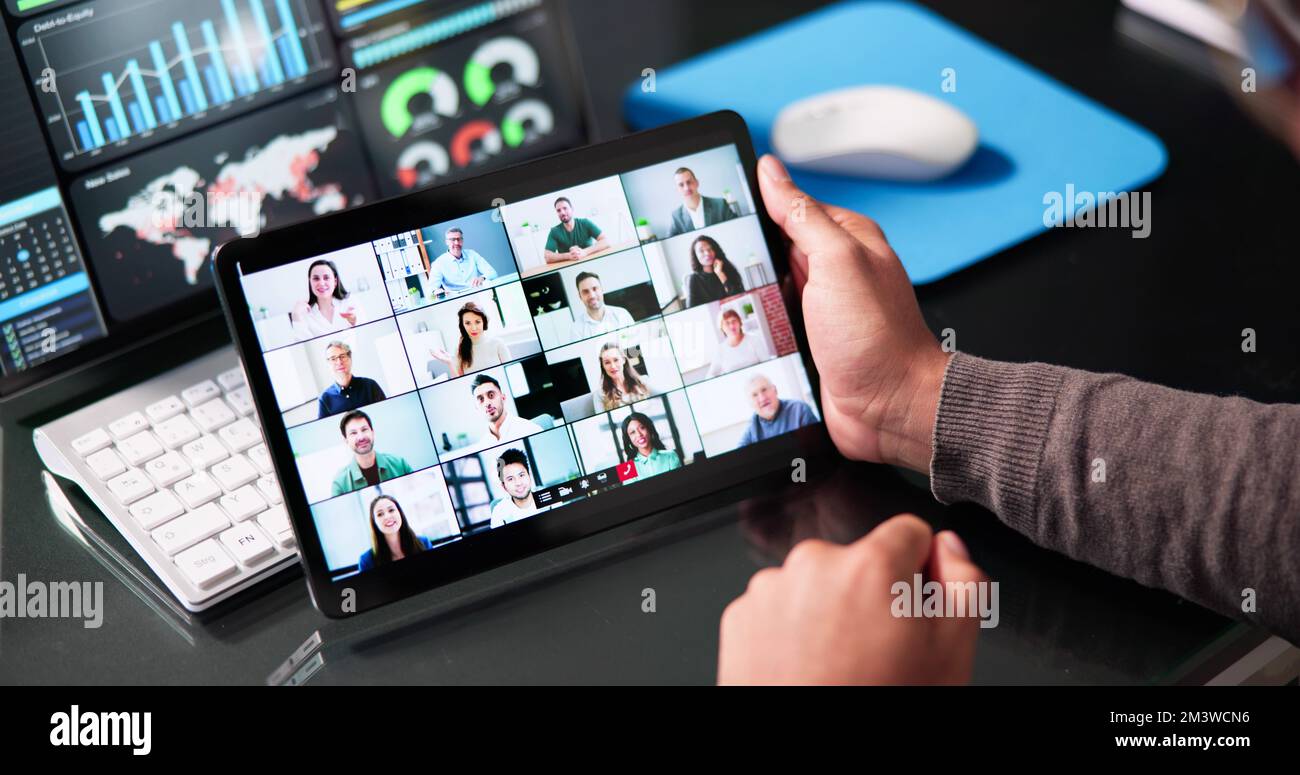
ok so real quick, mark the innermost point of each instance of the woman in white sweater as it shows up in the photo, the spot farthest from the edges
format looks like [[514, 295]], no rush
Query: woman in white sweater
[[736, 350], [477, 348]]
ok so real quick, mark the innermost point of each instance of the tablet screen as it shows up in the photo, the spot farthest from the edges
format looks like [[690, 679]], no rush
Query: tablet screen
[[467, 375]]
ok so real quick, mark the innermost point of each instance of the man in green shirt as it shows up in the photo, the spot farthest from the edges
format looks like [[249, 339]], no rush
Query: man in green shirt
[[572, 239], [368, 467]]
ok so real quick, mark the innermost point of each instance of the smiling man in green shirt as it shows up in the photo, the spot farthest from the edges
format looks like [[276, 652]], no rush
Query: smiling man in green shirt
[[368, 467], [572, 239]]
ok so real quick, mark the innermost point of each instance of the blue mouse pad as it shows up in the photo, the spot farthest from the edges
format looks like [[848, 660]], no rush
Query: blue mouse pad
[[1036, 135]]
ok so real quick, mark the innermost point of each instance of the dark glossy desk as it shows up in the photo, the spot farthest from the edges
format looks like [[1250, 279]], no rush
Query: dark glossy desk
[[1170, 308]]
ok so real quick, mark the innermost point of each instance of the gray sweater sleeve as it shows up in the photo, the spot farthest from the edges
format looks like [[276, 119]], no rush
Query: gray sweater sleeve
[[1195, 494]]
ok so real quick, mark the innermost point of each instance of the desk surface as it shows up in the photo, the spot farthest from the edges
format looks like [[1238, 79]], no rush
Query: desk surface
[[1169, 308]]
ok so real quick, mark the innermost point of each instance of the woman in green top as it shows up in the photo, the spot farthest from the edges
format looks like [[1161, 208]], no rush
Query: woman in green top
[[642, 445]]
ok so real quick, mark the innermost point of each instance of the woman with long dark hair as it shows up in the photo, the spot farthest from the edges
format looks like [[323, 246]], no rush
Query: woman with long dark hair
[[642, 445], [328, 307], [712, 276], [391, 536], [476, 349], [620, 385]]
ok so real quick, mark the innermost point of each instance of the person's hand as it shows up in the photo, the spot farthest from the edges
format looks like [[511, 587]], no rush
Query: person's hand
[[349, 314], [576, 252], [439, 354], [881, 368], [477, 282], [825, 617], [299, 311]]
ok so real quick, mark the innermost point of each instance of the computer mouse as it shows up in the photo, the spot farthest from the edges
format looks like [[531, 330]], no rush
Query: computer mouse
[[882, 132]]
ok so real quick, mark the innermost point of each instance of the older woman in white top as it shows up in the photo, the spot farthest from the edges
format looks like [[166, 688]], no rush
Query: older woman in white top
[[477, 349], [736, 350], [328, 307]]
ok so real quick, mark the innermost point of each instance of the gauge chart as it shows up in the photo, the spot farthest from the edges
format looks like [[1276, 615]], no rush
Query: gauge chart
[[126, 75]]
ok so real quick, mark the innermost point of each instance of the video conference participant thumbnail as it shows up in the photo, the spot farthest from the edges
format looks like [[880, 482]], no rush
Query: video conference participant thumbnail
[[687, 194], [593, 298], [751, 405], [494, 406], [316, 296], [657, 434], [334, 374], [376, 526], [709, 265], [468, 254], [620, 368], [564, 227], [490, 493], [725, 336], [361, 448], [468, 334]]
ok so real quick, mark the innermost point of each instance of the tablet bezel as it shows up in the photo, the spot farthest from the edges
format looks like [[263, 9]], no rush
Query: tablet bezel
[[577, 519]]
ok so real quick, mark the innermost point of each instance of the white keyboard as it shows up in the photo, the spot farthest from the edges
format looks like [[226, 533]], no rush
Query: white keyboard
[[178, 464]]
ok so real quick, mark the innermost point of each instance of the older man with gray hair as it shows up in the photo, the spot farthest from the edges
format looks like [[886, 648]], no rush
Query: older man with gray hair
[[347, 392], [772, 415]]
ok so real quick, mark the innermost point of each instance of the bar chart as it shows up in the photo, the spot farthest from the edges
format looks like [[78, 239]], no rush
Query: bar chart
[[187, 63]]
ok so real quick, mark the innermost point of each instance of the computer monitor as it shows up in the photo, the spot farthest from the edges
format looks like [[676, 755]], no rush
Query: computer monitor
[[138, 135]]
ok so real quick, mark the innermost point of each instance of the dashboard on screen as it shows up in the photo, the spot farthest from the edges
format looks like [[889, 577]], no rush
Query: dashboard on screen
[[141, 134]]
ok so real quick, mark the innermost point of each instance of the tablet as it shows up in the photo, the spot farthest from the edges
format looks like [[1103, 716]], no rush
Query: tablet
[[469, 375]]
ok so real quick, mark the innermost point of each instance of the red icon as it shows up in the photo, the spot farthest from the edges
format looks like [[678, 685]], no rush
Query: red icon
[[627, 471]]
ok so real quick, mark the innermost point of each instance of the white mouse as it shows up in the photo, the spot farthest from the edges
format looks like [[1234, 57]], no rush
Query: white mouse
[[876, 132]]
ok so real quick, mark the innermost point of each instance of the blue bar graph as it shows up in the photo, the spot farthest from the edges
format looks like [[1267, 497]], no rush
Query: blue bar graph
[[282, 46], [164, 113], [218, 64], [290, 28], [92, 121], [137, 118], [115, 105], [269, 57], [84, 134], [187, 62], [165, 78], [187, 95], [141, 96], [236, 31], [110, 126], [210, 78]]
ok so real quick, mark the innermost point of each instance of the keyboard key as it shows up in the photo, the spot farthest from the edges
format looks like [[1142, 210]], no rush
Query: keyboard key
[[197, 490], [242, 434], [270, 489], [165, 409], [234, 473], [188, 529], [242, 400], [261, 458], [105, 463], [242, 503], [156, 509], [130, 486], [130, 425], [91, 442], [205, 451], [212, 415], [247, 542], [201, 393], [276, 522], [205, 564], [229, 380], [177, 431], [168, 469], [140, 448]]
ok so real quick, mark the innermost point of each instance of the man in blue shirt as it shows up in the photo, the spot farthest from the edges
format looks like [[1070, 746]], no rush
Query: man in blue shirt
[[459, 269], [772, 415], [347, 392]]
